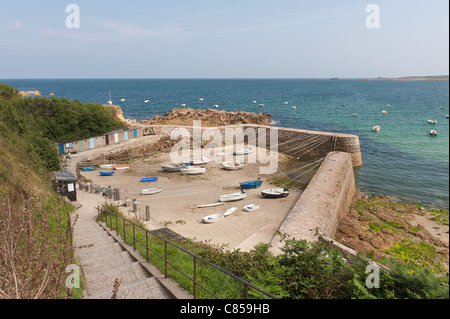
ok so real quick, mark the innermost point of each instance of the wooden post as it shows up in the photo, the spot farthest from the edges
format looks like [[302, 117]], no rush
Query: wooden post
[[147, 213], [134, 206], [118, 194], [91, 188], [109, 192]]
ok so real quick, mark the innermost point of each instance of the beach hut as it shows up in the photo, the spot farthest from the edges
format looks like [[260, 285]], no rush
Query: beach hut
[[65, 184]]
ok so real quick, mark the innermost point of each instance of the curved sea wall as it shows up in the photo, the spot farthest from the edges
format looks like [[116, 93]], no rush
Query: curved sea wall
[[304, 144], [323, 203], [313, 145]]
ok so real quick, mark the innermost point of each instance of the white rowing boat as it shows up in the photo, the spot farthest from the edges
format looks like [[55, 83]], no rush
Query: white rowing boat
[[243, 151], [213, 218], [251, 207], [233, 197], [209, 205], [191, 170], [230, 211], [107, 166], [201, 161], [232, 165], [171, 167], [150, 191]]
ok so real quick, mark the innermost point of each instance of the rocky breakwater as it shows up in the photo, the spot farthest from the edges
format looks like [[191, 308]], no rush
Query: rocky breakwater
[[209, 117]]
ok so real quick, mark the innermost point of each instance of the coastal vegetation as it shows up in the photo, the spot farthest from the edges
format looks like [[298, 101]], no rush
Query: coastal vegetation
[[35, 229], [302, 271]]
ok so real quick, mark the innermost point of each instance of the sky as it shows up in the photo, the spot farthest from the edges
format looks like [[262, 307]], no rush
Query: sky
[[223, 39]]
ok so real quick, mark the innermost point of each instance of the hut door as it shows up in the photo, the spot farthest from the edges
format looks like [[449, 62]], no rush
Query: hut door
[[91, 143], [107, 139], [126, 136], [80, 146], [135, 133]]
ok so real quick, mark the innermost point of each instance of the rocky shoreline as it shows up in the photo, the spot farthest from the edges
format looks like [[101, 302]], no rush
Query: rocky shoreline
[[209, 117]]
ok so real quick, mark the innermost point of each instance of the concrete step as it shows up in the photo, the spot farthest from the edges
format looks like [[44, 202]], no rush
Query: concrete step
[[148, 288], [93, 239], [84, 256], [96, 266], [103, 282]]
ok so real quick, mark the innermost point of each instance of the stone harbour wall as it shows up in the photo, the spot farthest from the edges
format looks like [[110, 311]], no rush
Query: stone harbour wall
[[323, 203]]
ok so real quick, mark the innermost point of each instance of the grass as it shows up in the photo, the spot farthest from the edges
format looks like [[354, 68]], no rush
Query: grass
[[439, 216], [217, 282]]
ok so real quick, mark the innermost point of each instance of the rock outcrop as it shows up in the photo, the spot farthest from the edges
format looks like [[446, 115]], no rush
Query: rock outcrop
[[29, 93], [209, 117]]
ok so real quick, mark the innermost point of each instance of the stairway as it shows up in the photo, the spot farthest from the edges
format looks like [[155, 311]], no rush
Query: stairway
[[104, 260]]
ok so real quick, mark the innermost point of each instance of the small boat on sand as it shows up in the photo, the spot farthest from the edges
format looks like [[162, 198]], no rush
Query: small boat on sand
[[150, 191], [106, 173], [89, 169], [191, 170], [213, 218], [243, 151], [232, 165], [251, 207], [230, 211], [121, 166], [209, 205], [201, 161], [107, 166], [233, 197], [277, 192], [149, 179], [251, 184], [172, 167]]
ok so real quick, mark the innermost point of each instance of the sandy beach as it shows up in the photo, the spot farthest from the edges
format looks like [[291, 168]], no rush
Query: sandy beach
[[176, 206]]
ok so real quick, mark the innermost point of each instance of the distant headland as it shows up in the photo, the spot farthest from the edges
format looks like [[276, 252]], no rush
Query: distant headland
[[409, 78]]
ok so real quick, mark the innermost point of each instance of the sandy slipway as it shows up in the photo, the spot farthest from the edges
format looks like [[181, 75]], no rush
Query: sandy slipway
[[176, 206]]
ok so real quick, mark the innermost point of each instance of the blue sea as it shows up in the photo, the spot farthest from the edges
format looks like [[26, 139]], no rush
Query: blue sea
[[401, 160]]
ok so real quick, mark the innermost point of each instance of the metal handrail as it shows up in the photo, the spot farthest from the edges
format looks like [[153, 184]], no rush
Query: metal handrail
[[166, 261]]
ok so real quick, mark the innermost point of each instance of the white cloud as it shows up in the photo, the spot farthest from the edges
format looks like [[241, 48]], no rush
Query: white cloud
[[98, 30], [16, 25]]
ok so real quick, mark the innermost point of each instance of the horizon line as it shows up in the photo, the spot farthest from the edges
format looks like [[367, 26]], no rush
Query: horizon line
[[226, 78]]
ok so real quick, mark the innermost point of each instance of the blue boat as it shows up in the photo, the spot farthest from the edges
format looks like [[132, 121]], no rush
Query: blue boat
[[88, 169], [106, 173], [251, 184], [149, 179]]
